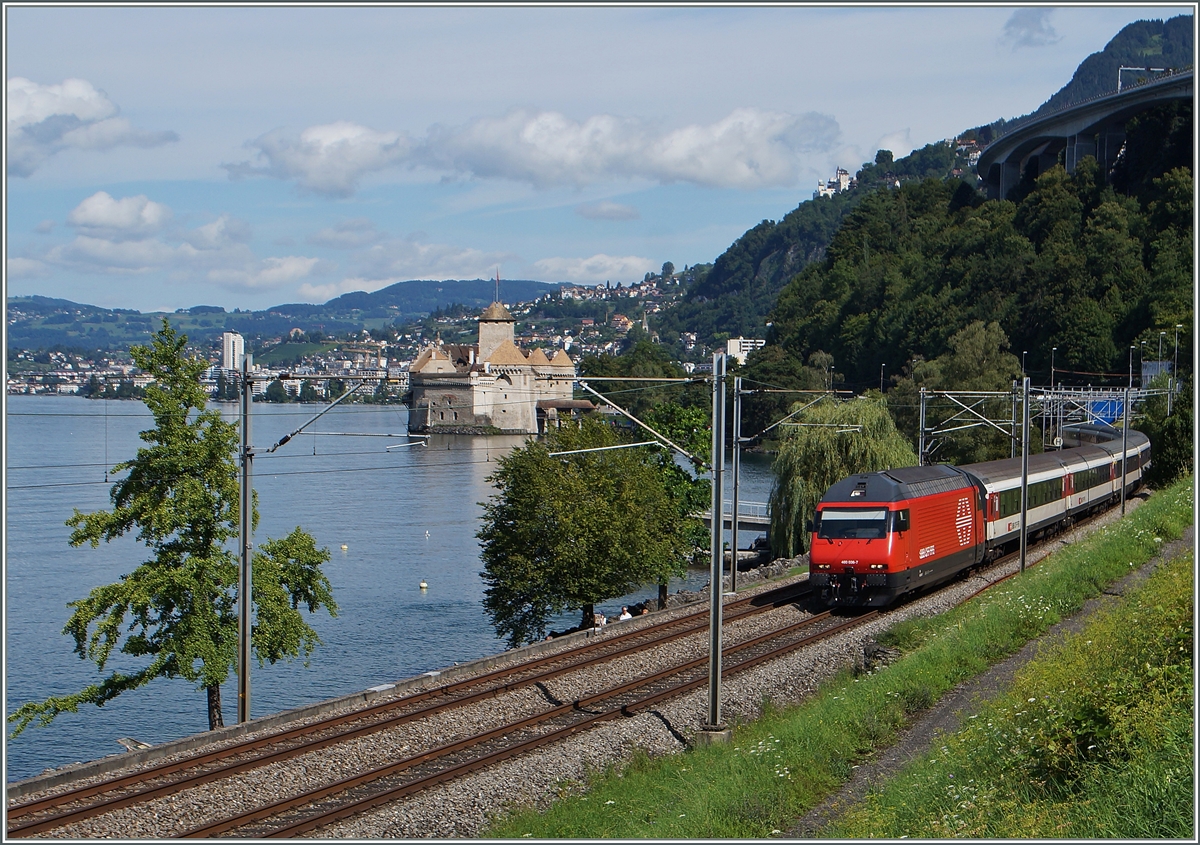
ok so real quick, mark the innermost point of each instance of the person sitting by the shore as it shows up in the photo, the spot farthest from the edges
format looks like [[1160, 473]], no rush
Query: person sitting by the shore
[[625, 614]]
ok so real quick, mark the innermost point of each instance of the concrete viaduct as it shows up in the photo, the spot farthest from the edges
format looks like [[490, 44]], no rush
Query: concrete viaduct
[[1095, 127]]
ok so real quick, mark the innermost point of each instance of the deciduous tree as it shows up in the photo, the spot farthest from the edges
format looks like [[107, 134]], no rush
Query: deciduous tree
[[842, 438], [564, 532], [177, 610]]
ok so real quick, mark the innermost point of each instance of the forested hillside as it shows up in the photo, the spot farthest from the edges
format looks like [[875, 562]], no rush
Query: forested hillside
[[1087, 267], [1141, 44], [1154, 43], [734, 296]]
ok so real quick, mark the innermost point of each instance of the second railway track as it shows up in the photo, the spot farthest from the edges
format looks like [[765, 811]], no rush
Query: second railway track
[[77, 805], [301, 807]]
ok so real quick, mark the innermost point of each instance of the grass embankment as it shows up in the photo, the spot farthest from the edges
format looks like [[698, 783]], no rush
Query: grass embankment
[[1030, 778]]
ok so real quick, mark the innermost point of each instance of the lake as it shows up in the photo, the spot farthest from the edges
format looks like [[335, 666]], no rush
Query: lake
[[403, 514]]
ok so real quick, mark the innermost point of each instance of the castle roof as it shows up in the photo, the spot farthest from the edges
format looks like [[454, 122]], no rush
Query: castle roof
[[497, 313], [428, 354], [538, 358], [562, 359], [506, 354]]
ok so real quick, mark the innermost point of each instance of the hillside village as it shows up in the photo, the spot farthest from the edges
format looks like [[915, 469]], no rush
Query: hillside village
[[620, 309]]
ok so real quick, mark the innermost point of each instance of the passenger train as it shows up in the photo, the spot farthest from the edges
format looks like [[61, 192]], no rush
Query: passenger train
[[879, 535]]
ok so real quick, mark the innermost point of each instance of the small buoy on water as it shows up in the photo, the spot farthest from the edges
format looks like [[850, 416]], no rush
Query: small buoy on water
[[344, 547], [424, 586], [427, 534]]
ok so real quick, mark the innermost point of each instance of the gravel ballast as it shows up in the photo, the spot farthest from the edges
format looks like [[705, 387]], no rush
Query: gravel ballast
[[462, 808]]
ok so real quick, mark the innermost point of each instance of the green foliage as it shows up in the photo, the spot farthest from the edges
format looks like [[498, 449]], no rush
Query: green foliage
[[736, 293], [562, 533], [276, 392], [691, 429], [1142, 43], [180, 496], [643, 360], [1172, 437], [1094, 740], [826, 449], [1074, 265], [788, 761]]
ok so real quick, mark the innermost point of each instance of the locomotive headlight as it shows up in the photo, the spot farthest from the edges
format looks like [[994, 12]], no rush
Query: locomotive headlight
[[879, 566], [820, 566]]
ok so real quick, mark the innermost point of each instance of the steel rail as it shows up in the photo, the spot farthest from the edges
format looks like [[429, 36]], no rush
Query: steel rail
[[513, 749], [626, 643]]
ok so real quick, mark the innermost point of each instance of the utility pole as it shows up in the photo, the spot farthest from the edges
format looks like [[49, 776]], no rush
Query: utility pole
[[717, 532], [1124, 447], [245, 575], [1024, 468], [1174, 380], [1012, 444], [921, 432], [737, 475]]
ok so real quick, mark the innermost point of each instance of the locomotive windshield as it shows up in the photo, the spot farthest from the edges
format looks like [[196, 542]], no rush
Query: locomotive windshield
[[852, 524]]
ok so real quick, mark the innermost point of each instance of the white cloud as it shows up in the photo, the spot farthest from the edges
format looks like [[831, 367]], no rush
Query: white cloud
[[605, 210], [130, 217], [328, 159], [24, 268], [323, 293], [349, 234], [130, 236], [598, 268], [900, 143], [269, 273], [404, 259], [1030, 27], [219, 234], [749, 149], [101, 255], [46, 119]]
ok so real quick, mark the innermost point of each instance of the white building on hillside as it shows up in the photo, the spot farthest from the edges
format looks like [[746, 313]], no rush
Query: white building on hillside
[[740, 347], [840, 182]]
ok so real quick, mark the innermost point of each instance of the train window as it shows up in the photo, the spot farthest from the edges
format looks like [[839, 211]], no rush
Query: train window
[[1010, 502], [852, 524], [898, 520]]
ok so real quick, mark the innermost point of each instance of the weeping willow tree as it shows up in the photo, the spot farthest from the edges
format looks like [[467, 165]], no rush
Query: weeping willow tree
[[834, 439]]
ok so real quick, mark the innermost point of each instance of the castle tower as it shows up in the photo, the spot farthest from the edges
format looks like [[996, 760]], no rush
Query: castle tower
[[496, 325]]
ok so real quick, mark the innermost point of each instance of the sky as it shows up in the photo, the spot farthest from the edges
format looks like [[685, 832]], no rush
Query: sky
[[160, 158]]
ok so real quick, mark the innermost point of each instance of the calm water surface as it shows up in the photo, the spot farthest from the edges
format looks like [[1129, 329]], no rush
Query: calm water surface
[[404, 515]]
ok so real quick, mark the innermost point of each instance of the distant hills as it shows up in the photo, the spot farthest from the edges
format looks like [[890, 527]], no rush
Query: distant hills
[[41, 322], [1140, 44], [730, 297], [734, 295]]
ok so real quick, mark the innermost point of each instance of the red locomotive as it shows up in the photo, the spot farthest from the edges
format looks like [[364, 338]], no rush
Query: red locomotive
[[878, 535]]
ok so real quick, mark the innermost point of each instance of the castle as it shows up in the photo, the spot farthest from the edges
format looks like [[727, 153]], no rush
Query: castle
[[492, 384]]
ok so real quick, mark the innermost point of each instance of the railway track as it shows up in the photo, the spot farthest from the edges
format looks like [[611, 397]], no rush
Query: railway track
[[313, 808], [38, 816], [308, 811]]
